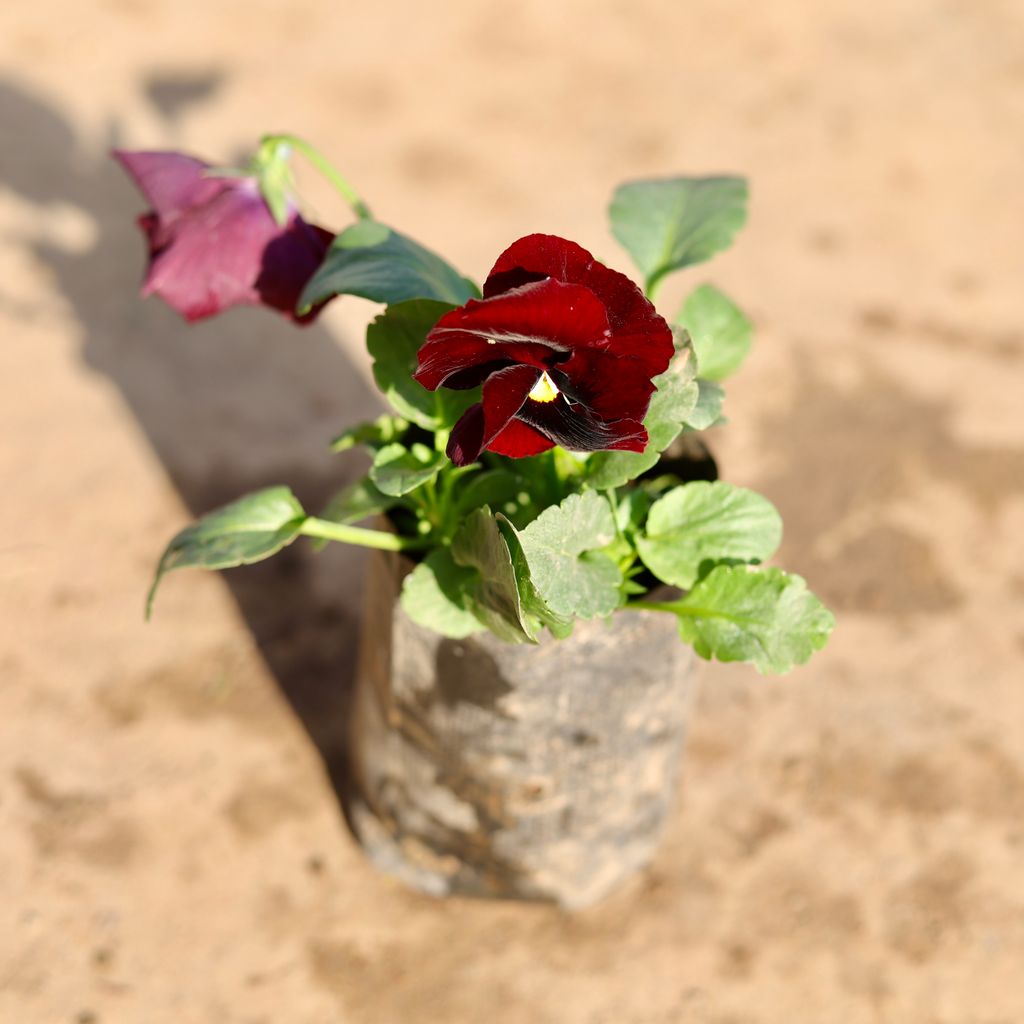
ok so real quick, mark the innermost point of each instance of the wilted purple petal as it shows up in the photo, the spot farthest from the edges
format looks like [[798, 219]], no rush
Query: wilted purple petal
[[213, 242], [172, 183]]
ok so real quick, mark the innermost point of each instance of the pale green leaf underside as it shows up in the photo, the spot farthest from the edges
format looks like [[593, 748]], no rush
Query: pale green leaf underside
[[535, 608], [720, 332], [703, 521], [433, 596], [763, 616], [571, 576], [493, 595], [708, 408], [397, 470]]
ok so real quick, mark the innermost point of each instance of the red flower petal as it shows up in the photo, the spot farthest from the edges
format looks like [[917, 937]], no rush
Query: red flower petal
[[463, 362], [538, 324], [503, 396], [535, 257], [473, 376], [466, 441], [614, 387], [519, 440], [636, 328]]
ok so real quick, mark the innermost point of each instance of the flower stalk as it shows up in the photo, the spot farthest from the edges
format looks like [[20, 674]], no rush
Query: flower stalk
[[325, 167], [323, 529]]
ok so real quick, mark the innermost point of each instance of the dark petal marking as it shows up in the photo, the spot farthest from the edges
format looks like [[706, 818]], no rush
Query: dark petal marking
[[575, 428], [538, 254], [471, 377], [498, 284]]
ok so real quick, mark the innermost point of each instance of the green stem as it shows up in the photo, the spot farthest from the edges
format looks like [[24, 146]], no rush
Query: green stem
[[327, 169], [652, 606], [446, 480], [380, 539], [613, 500], [427, 494]]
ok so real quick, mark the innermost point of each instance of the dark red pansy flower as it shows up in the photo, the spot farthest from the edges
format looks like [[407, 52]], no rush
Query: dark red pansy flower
[[213, 242], [565, 350]]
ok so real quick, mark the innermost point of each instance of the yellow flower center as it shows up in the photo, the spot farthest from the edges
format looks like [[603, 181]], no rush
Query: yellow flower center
[[545, 390]]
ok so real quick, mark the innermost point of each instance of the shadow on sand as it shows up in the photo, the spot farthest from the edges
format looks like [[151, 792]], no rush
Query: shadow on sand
[[228, 406]]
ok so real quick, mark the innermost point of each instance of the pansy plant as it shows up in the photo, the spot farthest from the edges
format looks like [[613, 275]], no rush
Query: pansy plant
[[532, 467]]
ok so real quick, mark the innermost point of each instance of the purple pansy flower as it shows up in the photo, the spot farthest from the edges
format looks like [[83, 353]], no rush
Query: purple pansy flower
[[213, 242]]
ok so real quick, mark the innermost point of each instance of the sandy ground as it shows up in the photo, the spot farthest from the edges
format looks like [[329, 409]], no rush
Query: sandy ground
[[849, 846]]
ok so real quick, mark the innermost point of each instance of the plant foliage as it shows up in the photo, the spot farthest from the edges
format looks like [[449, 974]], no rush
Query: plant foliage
[[530, 463]]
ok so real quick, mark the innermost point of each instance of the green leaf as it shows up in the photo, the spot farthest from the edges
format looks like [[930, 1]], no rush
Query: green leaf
[[765, 616], [560, 546], [721, 334], [247, 530], [632, 509], [671, 223], [494, 487], [533, 605], [670, 406], [377, 263], [357, 501], [374, 435], [682, 341], [397, 470], [704, 521], [434, 595], [493, 596], [708, 409], [393, 340]]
